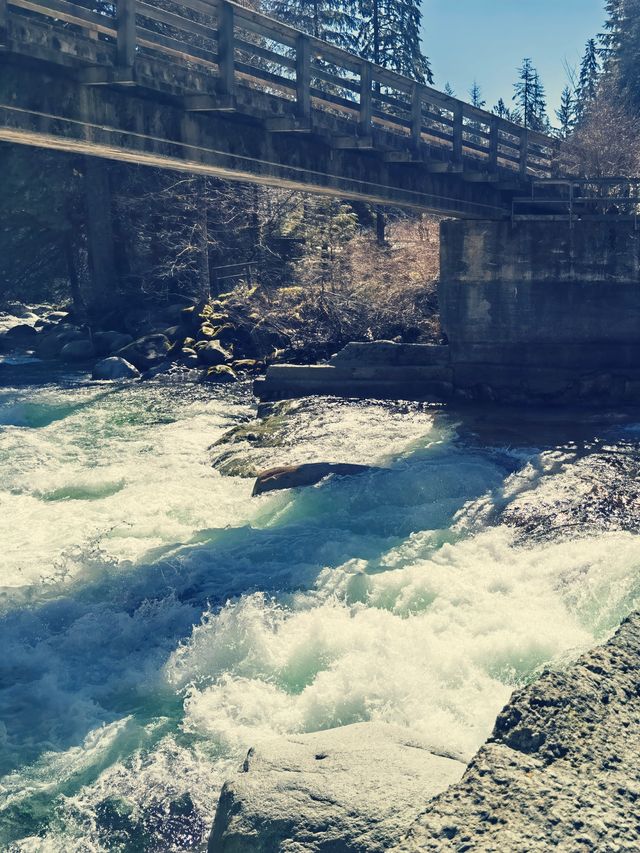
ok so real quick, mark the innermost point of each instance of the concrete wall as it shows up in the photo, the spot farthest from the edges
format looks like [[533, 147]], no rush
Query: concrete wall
[[541, 311]]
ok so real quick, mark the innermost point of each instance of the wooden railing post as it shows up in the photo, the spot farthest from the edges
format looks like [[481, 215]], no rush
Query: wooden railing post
[[366, 78], [416, 114], [457, 132], [126, 28], [4, 14], [226, 59], [494, 137], [303, 76], [524, 151], [554, 166]]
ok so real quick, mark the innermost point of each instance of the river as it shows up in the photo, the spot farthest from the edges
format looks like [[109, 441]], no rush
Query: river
[[156, 620]]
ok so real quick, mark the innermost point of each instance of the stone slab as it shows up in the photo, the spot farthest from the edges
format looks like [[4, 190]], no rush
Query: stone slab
[[354, 788]]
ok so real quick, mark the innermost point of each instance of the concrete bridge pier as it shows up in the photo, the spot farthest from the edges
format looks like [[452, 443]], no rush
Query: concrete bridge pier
[[100, 245], [538, 312], [543, 310]]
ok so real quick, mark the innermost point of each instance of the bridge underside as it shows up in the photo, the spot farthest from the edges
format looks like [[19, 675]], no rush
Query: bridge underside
[[60, 90]]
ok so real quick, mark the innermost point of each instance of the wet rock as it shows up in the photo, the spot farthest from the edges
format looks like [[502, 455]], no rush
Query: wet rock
[[147, 351], [349, 789], [114, 368], [175, 312], [188, 356], [213, 353], [599, 490], [248, 365], [21, 335], [560, 769], [175, 333], [162, 369], [291, 476], [49, 345], [188, 316], [80, 350], [206, 332], [220, 373], [111, 341], [57, 316]]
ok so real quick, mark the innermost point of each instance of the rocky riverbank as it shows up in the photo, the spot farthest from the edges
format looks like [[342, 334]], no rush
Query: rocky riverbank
[[218, 339], [559, 771]]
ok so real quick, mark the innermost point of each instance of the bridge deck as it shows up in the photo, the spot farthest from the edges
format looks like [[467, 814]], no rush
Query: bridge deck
[[220, 71]]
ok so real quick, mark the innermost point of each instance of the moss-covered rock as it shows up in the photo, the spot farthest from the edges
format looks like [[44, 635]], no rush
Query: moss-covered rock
[[220, 373], [248, 365], [147, 351], [212, 353]]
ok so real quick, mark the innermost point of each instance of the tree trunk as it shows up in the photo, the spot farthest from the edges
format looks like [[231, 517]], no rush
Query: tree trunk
[[102, 269], [202, 237], [380, 227]]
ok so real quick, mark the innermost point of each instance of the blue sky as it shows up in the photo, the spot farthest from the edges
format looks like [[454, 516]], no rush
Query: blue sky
[[487, 39]]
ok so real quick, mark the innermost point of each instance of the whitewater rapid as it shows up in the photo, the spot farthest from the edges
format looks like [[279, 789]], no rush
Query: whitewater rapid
[[156, 621]]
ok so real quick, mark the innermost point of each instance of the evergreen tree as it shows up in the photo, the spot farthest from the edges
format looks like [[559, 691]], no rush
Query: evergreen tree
[[503, 111], [620, 50], [390, 36], [589, 71], [566, 114], [587, 87], [335, 21], [529, 96], [326, 226], [475, 93], [448, 90], [611, 37]]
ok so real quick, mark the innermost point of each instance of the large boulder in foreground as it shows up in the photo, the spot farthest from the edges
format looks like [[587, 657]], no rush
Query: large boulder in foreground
[[560, 771], [114, 368], [306, 474], [355, 788]]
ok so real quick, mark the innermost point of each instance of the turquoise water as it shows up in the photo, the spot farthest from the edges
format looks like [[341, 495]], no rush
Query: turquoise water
[[156, 621]]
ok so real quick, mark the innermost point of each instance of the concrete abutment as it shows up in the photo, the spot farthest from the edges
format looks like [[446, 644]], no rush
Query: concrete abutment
[[541, 310], [534, 312]]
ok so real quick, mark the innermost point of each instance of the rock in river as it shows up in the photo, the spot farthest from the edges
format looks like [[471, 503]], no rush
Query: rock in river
[[147, 351], [108, 342], [21, 335], [80, 350], [114, 368], [560, 771], [355, 788], [213, 353], [290, 476]]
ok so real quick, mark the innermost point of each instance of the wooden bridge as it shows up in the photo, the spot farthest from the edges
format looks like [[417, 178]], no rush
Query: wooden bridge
[[211, 87]]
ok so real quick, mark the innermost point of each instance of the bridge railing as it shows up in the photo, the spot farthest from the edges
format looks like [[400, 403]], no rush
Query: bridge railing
[[240, 47]]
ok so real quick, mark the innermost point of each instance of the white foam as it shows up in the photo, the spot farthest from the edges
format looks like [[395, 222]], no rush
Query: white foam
[[383, 597], [436, 645]]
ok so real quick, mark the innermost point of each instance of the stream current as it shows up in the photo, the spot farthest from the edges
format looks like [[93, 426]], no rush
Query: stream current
[[156, 620]]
